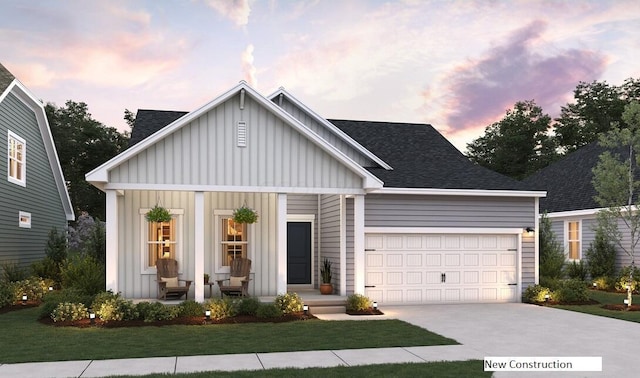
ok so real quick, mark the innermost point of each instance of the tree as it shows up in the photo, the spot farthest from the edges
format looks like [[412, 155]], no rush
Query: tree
[[616, 181], [83, 144], [518, 145], [597, 109], [551, 254]]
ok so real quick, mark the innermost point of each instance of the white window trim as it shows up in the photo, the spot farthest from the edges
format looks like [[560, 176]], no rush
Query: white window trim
[[217, 242], [566, 239], [23, 182], [144, 236], [27, 219]]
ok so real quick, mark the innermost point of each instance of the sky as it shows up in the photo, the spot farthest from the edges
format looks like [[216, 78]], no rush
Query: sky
[[457, 65]]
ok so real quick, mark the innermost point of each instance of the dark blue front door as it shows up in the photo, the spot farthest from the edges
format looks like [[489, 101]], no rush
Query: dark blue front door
[[299, 253]]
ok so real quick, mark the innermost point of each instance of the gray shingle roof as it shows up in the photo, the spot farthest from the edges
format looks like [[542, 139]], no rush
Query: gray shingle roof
[[5, 78], [422, 158], [149, 121], [568, 181]]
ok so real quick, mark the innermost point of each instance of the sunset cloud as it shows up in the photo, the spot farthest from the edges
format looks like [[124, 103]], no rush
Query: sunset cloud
[[480, 90], [248, 69], [237, 11]]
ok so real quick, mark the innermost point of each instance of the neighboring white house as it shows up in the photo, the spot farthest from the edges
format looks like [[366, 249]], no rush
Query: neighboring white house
[[401, 213]]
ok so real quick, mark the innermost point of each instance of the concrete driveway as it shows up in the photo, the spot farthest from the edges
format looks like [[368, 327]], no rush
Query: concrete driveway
[[521, 330]]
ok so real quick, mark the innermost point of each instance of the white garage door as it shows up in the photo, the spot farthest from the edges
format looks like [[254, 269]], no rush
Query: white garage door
[[427, 268]]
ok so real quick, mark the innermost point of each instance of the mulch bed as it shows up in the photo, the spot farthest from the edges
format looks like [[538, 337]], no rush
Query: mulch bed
[[366, 312], [621, 307], [17, 307], [581, 303], [196, 320]]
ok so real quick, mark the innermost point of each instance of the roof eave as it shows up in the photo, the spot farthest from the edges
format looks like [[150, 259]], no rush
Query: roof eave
[[462, 192]]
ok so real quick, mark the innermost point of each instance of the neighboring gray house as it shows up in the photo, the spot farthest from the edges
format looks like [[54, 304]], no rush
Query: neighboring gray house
[[401, 213], [570, 203], [33, 192]]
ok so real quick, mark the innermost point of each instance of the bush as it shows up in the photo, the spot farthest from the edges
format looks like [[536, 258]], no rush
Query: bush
[[6, 293], [358, 302], [552, 283], [551, 254], [69, 312], [33, 287], [536, 294], [221, 308], [84, 273], [103, 297], [270, 310], [623, 279], [572, 291], [248, 306], [152, 311], [601, 257], [51, 300], [47, 268], [56, 248], [117, 309], [12, 272], [190, 308], [289, 303], [576, 270], [604, 283]]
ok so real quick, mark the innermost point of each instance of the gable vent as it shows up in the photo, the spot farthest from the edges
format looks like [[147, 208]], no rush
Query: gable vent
[[242, 134]]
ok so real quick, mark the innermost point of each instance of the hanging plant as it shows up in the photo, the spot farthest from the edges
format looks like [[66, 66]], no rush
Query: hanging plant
[[245, 215], [158, 214]]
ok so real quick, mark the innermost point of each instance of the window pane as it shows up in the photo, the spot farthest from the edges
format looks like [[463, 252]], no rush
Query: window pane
[[574, 250], [234, 240], [162, 241]]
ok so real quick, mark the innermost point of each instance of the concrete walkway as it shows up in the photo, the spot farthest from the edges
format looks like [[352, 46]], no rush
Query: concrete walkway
[[498, 330]]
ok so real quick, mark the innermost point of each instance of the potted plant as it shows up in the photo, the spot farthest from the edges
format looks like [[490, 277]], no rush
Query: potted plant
[[158, 214], [245, 214], [206, 278], [325, 273]]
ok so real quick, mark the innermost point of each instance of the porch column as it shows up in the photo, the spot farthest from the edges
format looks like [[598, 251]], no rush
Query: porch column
[[281, 219], [358, 244], [111, 229], [199, 246], [536, 241], [343, 245]]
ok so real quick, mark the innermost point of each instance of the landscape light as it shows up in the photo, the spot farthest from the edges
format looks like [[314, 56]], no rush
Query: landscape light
[[207, 314], [24, 299], [375, 305], [305, 308], [92, 317]]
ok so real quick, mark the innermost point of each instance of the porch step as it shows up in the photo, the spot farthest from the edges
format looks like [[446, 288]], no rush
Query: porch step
[[326, 305], [327, 309]]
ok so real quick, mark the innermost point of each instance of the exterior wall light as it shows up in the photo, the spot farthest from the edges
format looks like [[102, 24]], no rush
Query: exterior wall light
[[530, 231]]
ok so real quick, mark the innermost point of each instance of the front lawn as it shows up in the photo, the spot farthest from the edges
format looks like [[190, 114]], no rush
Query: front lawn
[[471, 368], [606, 298], [24, 339]]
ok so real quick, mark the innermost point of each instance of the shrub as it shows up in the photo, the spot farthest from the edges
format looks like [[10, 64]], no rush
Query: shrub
[[551, 254], [190, 308], [51, 300], [270, 310], [67, 311], [601, 256], [288, 303], [604, 283], [248, 306], [552, 283], [358, 302], [536, 294], [102, 298], [117, 309], [47, 268], [623, 279], [6, 293], [56, 248], [33, 287], [152, 311], [84, 273], [576, 270], [12, 272], [221, 308], [572, 291]]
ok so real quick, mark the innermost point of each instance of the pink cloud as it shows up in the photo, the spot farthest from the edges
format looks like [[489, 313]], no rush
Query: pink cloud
[[482, 89], [236, 10], [248, 69]]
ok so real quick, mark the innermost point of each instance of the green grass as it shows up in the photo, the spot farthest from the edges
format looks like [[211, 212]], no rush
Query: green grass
[[471, 368], [26, 340], [606, 298]]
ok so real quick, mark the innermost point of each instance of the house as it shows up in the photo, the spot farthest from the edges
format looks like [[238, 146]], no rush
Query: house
[[570, 204], [401, 213], [33, 192]]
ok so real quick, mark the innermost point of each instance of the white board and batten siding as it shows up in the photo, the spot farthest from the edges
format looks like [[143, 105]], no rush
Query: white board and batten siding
[[205, 153]]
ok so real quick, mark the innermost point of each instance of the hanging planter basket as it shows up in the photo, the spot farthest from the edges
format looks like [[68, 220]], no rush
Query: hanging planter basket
[[245, 215], [158, 214]]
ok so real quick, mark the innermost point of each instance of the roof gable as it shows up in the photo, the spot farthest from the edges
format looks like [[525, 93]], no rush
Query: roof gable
[[100, 175], [422, 158], [15, 87]]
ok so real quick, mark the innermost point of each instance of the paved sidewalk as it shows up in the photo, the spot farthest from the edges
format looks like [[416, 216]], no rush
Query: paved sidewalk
[[233, 362]]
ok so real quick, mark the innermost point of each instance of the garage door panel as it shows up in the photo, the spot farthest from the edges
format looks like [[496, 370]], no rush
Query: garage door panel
[[429, 268]]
